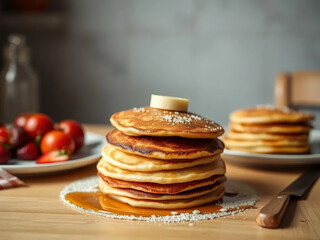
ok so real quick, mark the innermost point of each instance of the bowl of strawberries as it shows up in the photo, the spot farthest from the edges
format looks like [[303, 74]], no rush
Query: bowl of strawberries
[[34, 141]]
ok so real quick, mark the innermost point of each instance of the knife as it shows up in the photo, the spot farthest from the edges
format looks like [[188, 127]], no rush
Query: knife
[[270, 215]]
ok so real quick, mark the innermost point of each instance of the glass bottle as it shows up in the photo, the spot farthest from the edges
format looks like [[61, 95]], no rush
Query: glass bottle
[[19, 87]]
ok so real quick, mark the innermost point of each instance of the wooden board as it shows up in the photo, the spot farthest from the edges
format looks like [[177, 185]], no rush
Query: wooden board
[[36, 212]]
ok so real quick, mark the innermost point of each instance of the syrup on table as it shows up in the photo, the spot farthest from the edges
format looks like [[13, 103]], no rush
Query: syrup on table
[[98, 202]]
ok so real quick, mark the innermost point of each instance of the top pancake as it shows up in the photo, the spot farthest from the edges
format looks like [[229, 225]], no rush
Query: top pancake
[[149, 121], [266, 114], [165, 147]]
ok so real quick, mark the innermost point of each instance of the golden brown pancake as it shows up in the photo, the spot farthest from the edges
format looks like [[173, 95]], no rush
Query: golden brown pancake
[[149, 121], [173, 204], [163, 177], [265, 136], [273, 150], [157, 188], [268, 114], [231, 143], [138, 163], [284, 128], [127, 192], [165, 147]]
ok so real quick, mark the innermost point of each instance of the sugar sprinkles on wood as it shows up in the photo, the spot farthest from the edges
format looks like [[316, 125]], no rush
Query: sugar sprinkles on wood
[[195, 212]]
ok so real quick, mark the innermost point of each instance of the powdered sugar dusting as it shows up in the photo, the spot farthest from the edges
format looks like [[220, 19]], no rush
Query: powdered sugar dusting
[[177, 118], [174, 118], [137, 110], [246, 197]]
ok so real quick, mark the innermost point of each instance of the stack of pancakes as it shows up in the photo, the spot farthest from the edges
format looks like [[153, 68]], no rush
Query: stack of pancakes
[[266, 129], [162, 159]]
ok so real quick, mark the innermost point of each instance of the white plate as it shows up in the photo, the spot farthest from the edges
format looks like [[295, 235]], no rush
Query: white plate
[[89, 153], [268, 160]]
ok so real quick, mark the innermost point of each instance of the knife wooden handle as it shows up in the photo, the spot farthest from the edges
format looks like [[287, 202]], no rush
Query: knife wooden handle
[[270, 215]]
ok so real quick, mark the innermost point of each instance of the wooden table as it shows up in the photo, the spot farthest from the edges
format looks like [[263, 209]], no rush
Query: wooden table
[[36, 212]]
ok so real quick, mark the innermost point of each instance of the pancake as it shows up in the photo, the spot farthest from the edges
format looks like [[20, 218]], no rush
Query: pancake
[[265, 136], [149, 121], [163, 177], [274, 150], [165, 147], [231, 143], [269, 114], [105, 188], [160, 188], [138, 163], [284, 128], [173, 204]]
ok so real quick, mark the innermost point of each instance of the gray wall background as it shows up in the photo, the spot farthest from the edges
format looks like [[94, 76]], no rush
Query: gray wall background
[[221, 54]]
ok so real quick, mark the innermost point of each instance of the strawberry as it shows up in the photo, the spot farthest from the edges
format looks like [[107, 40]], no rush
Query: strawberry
[[5, 154], [4, 135], [28, 152], [19, 137], [53, 156]]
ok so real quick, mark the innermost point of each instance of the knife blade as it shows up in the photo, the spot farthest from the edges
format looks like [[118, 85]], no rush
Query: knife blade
[[270, 216]]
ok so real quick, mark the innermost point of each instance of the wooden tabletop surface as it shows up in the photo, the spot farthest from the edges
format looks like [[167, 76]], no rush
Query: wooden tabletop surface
[[36, 212]]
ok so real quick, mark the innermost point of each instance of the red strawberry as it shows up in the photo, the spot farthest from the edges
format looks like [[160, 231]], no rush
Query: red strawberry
[[4, 135], [5, 154], [28, 152], [53, 156], [19, 137]]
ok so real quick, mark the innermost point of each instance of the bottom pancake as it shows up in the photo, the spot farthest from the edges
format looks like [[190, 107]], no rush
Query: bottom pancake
[[173, 204], [157, 188], [105, 188]]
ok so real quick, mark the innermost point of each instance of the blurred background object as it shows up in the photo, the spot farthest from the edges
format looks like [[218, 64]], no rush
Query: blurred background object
[[29, 5], [297, 89], [98, 57], [19, 87]]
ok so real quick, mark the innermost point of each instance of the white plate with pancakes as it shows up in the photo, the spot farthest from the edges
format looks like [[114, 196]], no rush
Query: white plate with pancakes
[[88, 154], [268, 160]]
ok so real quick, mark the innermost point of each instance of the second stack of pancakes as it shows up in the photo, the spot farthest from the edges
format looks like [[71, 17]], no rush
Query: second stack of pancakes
[[266, 129], [162, 159]]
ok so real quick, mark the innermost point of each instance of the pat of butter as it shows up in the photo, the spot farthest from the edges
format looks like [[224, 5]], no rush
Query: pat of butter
[[169, 103]]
